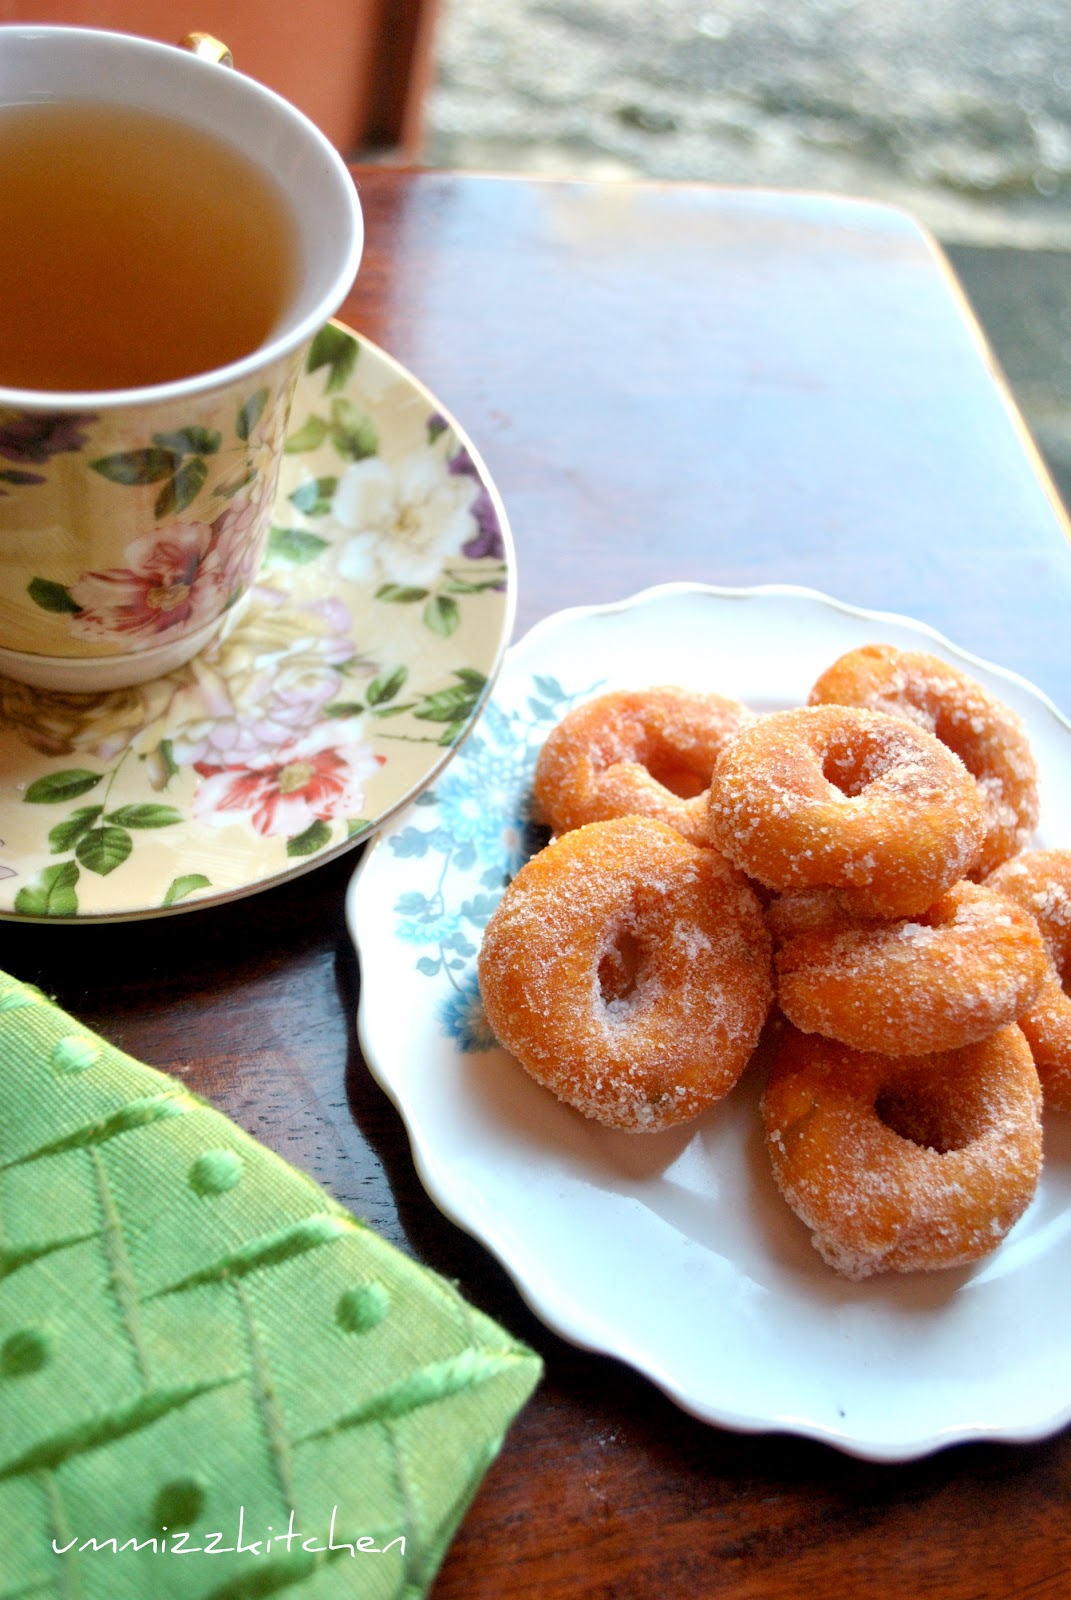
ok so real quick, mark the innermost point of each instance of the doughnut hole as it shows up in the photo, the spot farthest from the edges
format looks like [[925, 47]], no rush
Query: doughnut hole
[[937, 1114], [986, 735], [846, 770], [620, 967], [667, 767], [851, 765]]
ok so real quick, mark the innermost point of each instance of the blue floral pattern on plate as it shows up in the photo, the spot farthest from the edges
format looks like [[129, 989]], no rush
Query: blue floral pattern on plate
[[481, 832]]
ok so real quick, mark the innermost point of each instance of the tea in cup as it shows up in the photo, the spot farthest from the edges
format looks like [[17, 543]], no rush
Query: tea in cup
[[175, 235]]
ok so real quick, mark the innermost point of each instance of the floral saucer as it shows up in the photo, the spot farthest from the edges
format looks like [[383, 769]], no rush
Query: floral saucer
[[339, 688]]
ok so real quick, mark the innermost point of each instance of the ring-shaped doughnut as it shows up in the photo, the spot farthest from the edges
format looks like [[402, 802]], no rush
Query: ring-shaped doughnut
[[908, 1163], [987, 735], [1040, 882], [629, 972], [970, 964], [635, 753], [840, 797]]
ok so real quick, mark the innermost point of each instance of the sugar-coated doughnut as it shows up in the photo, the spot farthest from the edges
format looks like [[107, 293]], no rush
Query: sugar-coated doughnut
[[629, 972], [970, 964], [643, 752], [904, 1163], [841, 797], [987, 735], [1040, 882]]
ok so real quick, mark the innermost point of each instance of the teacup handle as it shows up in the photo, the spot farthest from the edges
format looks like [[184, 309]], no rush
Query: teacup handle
[[208, 48]]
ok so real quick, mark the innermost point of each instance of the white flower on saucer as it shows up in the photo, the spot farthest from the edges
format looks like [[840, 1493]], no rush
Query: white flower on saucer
[[404, 521]]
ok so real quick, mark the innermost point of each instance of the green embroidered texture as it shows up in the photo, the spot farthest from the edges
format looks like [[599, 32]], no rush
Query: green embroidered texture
[[214, 1381]]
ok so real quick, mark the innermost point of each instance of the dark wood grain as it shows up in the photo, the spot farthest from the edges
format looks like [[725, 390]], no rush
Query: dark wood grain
[[667, 383]]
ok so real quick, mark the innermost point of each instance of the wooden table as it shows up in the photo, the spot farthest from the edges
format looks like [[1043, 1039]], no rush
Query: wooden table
[[667, 383]]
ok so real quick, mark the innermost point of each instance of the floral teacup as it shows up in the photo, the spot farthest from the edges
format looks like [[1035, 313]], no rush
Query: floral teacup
[[132, 521]]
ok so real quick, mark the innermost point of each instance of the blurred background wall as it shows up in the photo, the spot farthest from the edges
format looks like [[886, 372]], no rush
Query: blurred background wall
[[957, 110]]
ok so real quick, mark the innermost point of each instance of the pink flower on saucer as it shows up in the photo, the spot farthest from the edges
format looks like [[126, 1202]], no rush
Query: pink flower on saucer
[[317, 778], [169, 585]]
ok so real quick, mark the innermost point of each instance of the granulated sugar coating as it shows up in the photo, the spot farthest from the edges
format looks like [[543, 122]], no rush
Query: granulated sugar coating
[[987, 736], [970, 964], [646, 752], [628, 965], [908, 1164], [839, 797], [629, 972], [1040, 882]]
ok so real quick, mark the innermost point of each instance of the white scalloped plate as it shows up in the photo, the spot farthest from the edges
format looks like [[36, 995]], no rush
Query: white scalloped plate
[[672, 1251]]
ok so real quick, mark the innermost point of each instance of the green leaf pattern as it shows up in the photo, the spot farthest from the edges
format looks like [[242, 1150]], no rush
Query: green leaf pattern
[[101, 840], [181, 489], [334, 349], [312, 839], [51, 596], [56, 787], [52, 894], [152, 1373], [250, 414], [295, 546], [186, 884], [180, 463]]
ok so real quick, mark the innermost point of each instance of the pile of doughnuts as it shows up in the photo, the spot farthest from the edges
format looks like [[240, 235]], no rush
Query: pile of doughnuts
[[849, 884]]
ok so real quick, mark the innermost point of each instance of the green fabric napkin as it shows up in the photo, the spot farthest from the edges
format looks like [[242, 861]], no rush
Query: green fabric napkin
[[214, 1381]]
